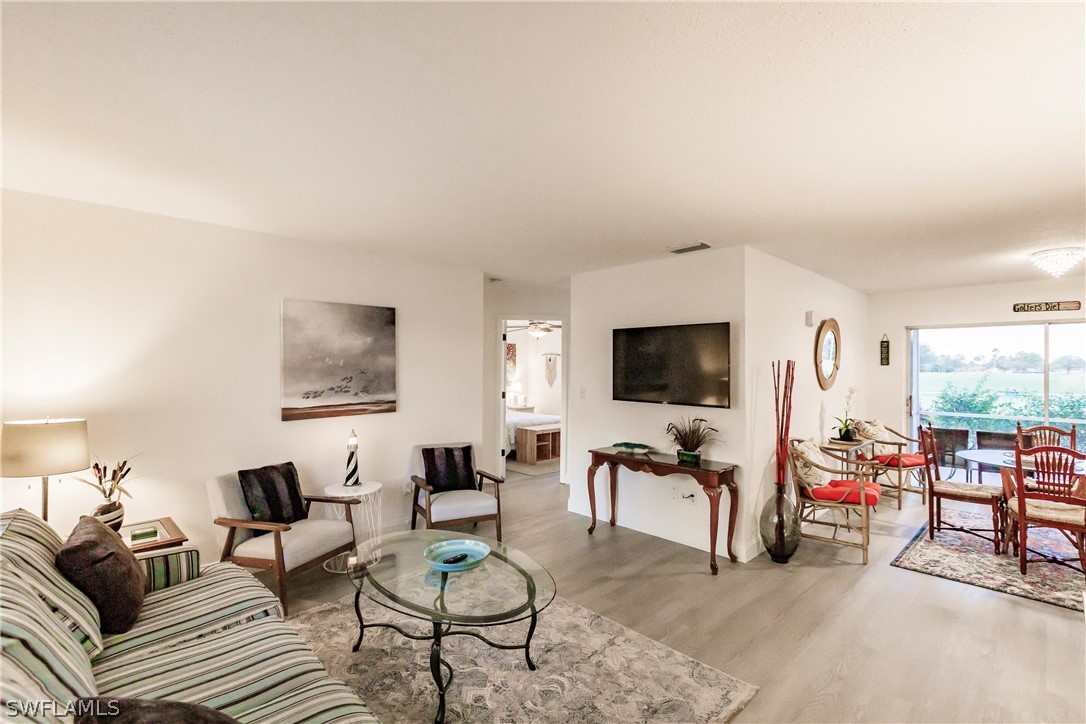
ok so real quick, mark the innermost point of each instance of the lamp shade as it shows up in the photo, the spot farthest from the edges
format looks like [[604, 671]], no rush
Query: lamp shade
[[32, 448]]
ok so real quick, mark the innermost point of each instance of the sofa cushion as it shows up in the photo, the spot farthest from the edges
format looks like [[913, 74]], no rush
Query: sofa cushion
[[449, 468], [875, 430], [261, 671], [30, 545], [98, 562], [37, 645], [222, 597], [305, 541], [102, 710], [908, 460], [273, 493], [807, 454], [846, 491]]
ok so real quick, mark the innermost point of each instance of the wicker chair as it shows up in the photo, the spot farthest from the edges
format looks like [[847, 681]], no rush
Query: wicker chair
[[892, 459], [1053, 496], [816, 492], [948, 441], [939, 490], [992, 441]]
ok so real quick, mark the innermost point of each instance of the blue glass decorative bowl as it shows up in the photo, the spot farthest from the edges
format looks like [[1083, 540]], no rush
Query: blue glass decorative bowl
[[475, 551]]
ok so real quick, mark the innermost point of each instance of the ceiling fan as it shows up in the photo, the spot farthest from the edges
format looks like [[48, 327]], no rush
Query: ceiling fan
[[536, 328]]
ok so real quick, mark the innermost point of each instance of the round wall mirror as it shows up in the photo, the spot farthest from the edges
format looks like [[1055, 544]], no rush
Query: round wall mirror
[[827, 356]]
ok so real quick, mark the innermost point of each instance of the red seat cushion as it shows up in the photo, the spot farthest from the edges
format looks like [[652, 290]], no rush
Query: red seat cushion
[[832, 492], [908, 460]]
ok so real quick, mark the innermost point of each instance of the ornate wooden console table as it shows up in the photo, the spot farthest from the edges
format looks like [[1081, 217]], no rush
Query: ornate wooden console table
[[709, 474]]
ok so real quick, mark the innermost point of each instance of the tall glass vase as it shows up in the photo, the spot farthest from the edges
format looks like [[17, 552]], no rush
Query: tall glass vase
[[779, 526]]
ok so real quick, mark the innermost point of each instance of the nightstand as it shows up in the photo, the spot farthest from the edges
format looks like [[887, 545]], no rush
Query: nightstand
[[167, 535]]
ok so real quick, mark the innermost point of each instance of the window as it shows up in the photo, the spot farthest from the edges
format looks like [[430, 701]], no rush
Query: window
[[987, 378]]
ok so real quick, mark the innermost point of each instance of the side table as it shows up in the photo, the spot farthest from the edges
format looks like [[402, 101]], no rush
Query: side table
[[366, 516], [167, 535]]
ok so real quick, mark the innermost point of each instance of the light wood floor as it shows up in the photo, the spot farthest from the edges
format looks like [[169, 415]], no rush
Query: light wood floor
[[826, 638]]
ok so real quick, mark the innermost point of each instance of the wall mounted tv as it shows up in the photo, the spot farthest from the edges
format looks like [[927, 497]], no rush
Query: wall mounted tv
[[684, 364]]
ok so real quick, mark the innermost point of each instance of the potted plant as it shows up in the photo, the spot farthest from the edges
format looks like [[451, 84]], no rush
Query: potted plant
[[845, 428], [689, 435], [111, 486]]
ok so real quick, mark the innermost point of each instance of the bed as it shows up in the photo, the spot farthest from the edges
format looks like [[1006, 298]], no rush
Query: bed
[[514, 419]]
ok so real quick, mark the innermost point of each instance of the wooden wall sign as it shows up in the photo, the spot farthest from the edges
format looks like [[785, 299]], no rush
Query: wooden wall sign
[[1047, 306], [884, 351]]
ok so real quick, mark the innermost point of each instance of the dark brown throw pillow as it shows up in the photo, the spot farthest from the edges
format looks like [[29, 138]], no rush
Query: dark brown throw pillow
[[98, 563], [273, 493], [110, 710], [449, 468]]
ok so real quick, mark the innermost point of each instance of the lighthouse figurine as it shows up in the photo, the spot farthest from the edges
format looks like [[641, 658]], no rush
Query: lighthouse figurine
[[352, 460]]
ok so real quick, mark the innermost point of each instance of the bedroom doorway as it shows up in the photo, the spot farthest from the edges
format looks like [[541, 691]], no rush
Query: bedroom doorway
[[532, 390]]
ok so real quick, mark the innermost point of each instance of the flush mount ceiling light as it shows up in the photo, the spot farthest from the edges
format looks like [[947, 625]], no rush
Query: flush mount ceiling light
[[1058, 262]]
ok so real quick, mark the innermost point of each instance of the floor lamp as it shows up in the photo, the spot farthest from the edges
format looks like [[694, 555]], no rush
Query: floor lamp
[[29, 448]]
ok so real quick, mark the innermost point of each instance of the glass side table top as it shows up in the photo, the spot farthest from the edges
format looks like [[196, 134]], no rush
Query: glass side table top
[[508, 586]]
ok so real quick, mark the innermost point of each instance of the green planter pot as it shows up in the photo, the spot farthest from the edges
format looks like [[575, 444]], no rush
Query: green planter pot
[[689, 457]]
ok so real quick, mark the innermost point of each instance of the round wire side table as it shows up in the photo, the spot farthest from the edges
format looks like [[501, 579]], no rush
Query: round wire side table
[[366, 516]]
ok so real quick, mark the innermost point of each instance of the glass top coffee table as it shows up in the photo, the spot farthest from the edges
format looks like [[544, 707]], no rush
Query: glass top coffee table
[[508, 586]]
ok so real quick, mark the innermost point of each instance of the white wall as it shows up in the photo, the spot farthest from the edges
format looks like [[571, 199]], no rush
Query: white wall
[[532, 372], [891, 314], [702, 287], [777, 296], [164, 334]]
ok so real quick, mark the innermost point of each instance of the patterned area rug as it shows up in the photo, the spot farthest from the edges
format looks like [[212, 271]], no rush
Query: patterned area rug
[[968, 559], [589, 669]]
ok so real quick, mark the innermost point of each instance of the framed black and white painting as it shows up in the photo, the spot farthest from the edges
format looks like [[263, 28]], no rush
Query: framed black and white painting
[[338, 359]]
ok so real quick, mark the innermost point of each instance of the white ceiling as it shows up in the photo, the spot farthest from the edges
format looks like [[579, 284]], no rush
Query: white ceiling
[[889, 146]]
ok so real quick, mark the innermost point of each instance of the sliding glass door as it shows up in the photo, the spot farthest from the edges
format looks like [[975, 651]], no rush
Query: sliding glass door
[[986, 378]]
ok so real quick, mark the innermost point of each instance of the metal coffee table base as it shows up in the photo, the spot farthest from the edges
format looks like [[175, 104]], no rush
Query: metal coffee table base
[[441, 630]]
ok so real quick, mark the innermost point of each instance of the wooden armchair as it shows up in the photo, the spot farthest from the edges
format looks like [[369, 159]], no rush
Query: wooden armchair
[[287, 549], [820, 488], [939, 490], [1052, 496], [893, 459], [449, 489]]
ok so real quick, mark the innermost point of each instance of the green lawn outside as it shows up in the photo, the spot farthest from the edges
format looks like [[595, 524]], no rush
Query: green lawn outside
[[932, 383]]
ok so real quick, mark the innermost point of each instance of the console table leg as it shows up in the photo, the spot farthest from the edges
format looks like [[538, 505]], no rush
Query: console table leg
[[733, 509], [614, 491], [592, 495], [714, 520]]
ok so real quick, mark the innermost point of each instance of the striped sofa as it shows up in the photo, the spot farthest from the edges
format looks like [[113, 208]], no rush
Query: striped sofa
[[213, 636]]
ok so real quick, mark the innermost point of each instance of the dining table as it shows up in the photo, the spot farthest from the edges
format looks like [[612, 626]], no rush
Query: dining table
[[1004, 459]]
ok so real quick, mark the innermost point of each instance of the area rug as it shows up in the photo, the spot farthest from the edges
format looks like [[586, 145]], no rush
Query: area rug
[[550, 467], [589, 669], [968, 559]]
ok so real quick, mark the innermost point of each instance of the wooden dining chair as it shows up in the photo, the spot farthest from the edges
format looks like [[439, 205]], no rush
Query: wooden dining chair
[[948, 441], [940, 490], [1050, 495], [1046, 436]]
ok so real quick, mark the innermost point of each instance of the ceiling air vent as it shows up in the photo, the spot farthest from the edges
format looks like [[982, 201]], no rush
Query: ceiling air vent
[[687, 248]]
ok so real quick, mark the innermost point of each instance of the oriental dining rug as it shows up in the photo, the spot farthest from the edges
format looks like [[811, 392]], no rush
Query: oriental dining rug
[[968, 559], [590, 669]]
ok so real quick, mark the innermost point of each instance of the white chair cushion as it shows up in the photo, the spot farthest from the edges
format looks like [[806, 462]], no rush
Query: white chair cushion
[[808, 476], [455, 504], [306, 540], [875, 430], [227, 501]]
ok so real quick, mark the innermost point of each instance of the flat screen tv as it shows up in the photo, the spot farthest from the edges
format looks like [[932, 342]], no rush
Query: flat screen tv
[[684, 364]]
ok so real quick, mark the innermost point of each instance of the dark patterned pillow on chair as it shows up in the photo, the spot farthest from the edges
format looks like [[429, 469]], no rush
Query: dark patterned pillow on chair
[[449, 468], [273, 493]]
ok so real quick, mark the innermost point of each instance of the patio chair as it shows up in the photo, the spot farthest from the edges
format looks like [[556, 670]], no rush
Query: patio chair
[[992, 441], [1052, 496], [892, 459], [948, 441], [818, 490], [939, 489]]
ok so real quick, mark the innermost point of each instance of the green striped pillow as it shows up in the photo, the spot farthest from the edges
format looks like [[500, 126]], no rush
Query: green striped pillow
[[30, 546], [37, 645]]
